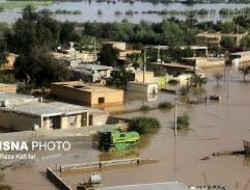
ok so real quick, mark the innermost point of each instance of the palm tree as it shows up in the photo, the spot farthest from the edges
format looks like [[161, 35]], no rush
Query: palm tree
[[245, 70], [30, 14], [136, 60], [197, 80]]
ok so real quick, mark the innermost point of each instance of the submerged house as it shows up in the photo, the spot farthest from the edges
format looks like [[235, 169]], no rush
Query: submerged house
[[20, 113], [87, 94], [23, 113]]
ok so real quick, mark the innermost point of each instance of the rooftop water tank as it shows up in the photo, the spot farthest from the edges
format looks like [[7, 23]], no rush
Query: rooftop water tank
[[95, 179], [4, 103]]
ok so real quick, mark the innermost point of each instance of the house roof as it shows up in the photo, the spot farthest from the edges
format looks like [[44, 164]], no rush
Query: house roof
[[154, 186], [46, 109], [244, 53], [16, 98], [93, 67], [81, 86]]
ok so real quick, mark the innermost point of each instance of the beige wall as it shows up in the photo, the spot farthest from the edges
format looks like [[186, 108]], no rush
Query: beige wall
[[209, 62], [11, 58], [245, 58], [99, 119], [88, 98], [64, 122], [149, 77], [70, 94], [115, 97], [21, 122], [10, 88], [18, 122]]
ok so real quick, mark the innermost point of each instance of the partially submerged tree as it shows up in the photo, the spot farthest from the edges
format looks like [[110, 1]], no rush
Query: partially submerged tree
[[183, 121], [143, 124], [245, 70], [197, 80], [218, 77]]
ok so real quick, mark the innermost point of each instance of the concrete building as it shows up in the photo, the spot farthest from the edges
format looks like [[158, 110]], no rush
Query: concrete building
[[11, 58], [91, 72], [75, 55], [239, 57], [144, 91], [10, 88], [204, 62], [87, 94], [97, 117], [20, 113], [198, 50], [214, 39], [146, 77], [209, 39], [152, 186], [115, 44]]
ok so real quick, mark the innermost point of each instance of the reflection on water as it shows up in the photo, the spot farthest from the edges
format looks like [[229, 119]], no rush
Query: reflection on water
[[246, 161], [89, 11], [130, 153], [214, 128]]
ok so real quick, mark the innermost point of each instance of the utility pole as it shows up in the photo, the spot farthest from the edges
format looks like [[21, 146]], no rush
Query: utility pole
[[144, 64], [175, 113], [228, 72], [95, 49], [158, 55]]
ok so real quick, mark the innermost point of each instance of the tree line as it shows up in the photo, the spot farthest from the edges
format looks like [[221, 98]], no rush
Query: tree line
[[36, 34]]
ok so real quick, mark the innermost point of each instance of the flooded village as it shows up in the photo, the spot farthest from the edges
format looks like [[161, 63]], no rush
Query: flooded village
[[124, 106]]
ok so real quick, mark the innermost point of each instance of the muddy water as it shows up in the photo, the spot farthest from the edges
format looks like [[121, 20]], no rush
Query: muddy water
[[214, 127]]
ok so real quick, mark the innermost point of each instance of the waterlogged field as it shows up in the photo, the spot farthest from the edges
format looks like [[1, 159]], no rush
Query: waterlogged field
[[118, 11], [214, 127], [22, 4]]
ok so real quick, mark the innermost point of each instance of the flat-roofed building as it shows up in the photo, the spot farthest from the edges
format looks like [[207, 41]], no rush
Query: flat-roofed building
[[116, 44], [10, 88], [10, 60], [87, 94], [152, 186], [204, 62], [239, 57], [143, 91], [214, 39], [92, 72], [146, 77], [21, 113]]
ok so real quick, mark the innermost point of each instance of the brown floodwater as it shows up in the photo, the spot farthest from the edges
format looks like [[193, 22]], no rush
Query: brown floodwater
[[214, 127]]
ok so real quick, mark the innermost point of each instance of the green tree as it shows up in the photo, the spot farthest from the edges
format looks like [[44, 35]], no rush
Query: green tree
[[197, 80], [183, 121], [108, 55], [136, 60], [191, 20], [32, 30], [227, 27], [39, 68], [68, 33], [120, 78], [143, 124], [228, 42], [172, 34], [33, 36]]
